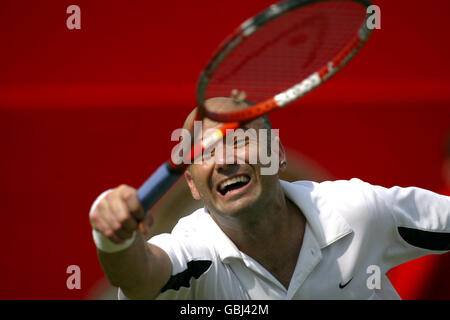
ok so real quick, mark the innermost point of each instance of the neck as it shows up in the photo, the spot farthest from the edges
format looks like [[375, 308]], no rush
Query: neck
[[263, 218], [271, 234]]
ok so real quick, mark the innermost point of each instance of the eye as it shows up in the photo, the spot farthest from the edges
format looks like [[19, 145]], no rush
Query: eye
[[209, 153], [240, 142]]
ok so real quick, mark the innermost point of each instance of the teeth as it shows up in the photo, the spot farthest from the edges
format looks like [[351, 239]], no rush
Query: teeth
[[228, 182]]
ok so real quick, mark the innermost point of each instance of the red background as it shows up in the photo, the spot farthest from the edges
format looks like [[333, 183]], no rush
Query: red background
[[85, 110]]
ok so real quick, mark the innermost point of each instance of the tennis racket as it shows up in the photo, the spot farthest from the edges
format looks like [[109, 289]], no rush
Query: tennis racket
[[274, 58]]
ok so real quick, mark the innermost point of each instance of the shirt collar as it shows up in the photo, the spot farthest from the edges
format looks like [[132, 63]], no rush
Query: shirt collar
[[326, 223], [225, 248]]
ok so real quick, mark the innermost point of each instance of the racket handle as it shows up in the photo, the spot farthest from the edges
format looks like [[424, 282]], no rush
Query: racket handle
[[157, 185]]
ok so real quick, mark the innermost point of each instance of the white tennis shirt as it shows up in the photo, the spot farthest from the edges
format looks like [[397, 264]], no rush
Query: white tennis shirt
[[355, 233]]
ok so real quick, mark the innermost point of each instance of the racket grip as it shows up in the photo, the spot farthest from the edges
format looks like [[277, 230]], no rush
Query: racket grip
[[157, 185]]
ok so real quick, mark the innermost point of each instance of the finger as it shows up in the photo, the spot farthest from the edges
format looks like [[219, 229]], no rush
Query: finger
[[123, 215], [123, 234], [106, 215], [114, 238], [121, 222], [104, 228], [98, 223], [130, 197], [111, 234]]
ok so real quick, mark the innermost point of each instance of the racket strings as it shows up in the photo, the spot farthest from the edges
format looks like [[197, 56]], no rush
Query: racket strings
[[287, 50]]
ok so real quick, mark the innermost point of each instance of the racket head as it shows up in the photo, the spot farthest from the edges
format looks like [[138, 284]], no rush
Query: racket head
[[281, 54]]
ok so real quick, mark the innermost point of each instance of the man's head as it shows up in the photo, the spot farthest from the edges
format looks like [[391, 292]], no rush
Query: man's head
[[233, 187]]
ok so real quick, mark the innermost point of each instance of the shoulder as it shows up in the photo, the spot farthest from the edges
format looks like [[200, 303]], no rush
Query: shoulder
[[359, 203], [354, 193], [332, 185], [188, 240], [192, 225]]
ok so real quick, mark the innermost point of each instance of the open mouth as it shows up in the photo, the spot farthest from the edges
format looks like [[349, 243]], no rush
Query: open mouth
[[233, 183]]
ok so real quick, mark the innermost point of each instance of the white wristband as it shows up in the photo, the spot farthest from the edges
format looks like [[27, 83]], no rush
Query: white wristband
[[106, 245]]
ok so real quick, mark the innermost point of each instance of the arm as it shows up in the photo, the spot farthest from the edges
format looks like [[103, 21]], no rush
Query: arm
[[420, 221], [138, 268]]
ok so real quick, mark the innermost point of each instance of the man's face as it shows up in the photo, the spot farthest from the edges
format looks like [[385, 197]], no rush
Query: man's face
[[230, 188]]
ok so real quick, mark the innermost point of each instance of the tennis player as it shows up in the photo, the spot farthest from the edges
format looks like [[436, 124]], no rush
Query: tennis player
[[258, 237]]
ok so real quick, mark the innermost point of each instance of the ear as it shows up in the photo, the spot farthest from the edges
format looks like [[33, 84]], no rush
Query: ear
[[282, 156], [191, 184]]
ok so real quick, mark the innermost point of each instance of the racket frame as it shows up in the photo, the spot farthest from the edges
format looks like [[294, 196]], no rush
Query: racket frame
[[244, 31]]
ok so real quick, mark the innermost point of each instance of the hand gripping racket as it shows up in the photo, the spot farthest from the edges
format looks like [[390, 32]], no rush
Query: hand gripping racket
[[275, 58]]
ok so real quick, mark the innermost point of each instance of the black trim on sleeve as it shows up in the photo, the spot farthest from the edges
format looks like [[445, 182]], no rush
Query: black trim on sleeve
[[194, 269], [439, 241]]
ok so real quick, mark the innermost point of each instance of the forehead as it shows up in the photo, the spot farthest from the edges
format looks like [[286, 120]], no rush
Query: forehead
[[228, 105], [254, 124]]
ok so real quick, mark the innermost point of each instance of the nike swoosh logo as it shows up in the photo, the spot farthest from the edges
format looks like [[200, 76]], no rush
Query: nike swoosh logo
[[342, 286]]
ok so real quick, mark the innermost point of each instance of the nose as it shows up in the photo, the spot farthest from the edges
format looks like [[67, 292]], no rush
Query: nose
[[226, 168], [226, 160]]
